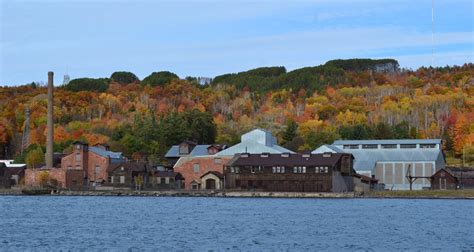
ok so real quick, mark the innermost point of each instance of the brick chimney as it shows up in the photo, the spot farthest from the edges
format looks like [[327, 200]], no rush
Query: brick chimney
[[50, 123]]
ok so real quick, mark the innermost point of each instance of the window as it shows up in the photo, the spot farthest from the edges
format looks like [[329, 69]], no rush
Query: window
[[78, 156], [78, 167], [236, 169], [350, 146], [78, 147], [158, 180], [278, 169], [304, 169], [217, 160], [283, 169], [325, 169], [196, 168], [316, 169], [295, 169], [389, 146], [407, 146], [69, 167], [369, 146], [111, 179], [252, 169], [167, 180], [195, 186], [274, 169], [427, 146], [232, 170], [122, 179]]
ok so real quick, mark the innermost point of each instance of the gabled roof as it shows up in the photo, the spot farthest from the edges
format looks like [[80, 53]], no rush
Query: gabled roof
[[198, 150], [105, 153], [252, 147], [388, 141], [255, 141], [129, 166], [216, 173], [327, 147]]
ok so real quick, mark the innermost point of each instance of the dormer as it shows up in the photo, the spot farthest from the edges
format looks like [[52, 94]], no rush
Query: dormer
[[264, 154], [80, 146], [186, 147], [285, 154], [213, 149], [327, 154]]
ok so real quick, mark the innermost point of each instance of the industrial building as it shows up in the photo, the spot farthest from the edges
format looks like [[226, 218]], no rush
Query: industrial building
[[391, 160]]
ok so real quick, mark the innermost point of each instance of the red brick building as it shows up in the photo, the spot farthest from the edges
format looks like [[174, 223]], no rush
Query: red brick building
[[92, 160], [84, 166], [192, 169]]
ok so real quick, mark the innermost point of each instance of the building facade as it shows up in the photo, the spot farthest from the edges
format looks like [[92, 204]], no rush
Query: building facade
[[289, 172], [390, 160], [193, 169]]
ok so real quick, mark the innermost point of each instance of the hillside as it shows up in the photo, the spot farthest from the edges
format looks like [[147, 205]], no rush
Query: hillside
[[307, 107]]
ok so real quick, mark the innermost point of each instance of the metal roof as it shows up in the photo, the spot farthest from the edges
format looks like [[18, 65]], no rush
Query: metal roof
[[105, 153], [252, 147], [388, 141], [198, 150], [365, 159]]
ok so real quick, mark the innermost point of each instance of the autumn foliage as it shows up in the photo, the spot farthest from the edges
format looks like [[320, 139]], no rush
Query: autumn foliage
[[304, 108]]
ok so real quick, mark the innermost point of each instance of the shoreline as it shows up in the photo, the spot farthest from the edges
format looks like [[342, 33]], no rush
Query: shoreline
[[247, 194]]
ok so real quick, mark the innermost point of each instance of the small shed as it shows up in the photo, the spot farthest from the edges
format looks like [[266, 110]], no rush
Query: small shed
[[451, 178]]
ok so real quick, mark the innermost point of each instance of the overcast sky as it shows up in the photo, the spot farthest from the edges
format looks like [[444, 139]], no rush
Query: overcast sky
[[88, 38]]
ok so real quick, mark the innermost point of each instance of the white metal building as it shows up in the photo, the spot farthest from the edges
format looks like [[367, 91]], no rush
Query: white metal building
[[389, 160]]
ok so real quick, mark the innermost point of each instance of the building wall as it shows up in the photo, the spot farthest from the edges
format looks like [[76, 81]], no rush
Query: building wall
[[280, 182], [206, 164], [97, 167], [215, 178], [340, 184], [443, 181], [88, 162], [393, 174]]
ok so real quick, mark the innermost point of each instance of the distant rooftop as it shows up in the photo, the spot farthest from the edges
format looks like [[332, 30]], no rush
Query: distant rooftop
[[389, 141]]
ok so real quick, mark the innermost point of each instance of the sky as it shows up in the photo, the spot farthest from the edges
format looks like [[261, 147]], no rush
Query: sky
[[85, 38]]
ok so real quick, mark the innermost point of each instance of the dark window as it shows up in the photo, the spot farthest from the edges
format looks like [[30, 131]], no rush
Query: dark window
[[351, 146], [237, 183], [427, 146], [389, 146], [407, 146], [163, 181], [369, 146]]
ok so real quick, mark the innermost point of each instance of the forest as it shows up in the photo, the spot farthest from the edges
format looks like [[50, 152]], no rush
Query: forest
[[304, 108]]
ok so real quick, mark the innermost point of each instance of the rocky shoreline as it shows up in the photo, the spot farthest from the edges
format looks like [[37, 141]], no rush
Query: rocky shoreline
[[231, 194]]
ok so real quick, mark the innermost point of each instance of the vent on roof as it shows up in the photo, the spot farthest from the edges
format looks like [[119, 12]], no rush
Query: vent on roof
[[286, 154], [327, 154], [265, 154]]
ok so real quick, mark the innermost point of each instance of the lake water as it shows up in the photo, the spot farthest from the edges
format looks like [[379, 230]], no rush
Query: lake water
[[256, 224]]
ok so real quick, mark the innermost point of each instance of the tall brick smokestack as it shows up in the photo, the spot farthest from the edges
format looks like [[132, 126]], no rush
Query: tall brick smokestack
[[50, 125]]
